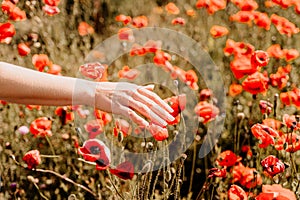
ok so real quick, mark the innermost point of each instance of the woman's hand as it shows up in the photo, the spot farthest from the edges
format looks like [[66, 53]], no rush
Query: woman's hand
[[129, 99]]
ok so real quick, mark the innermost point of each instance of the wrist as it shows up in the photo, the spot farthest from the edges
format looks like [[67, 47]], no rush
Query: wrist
[[84, 92]]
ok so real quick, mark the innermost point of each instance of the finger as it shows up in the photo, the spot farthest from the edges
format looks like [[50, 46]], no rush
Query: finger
[[156, 99], [127, 112], [144, 110], [162, 113]]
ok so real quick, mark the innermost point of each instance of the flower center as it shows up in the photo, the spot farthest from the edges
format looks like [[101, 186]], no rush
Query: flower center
[[95, 150]]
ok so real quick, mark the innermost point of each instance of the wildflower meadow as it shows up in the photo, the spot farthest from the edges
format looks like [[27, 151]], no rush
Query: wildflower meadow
[[229, 69]]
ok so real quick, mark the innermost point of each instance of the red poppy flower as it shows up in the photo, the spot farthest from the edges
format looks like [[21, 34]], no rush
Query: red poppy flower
[[202, 4], [92, 70], [291, 54], [177, 103], [32, 159], [52, 2], [283, 3], [275, 191], [216, 5], [190, 12], [284, 26], [206, 111], [290, 121], [128, 73], [126, 34], [140, 21], [272, 165], [34, 107], [152, 46], [215, 172], [256, 83], [246, 5], [281, 77], [241, 66], [23, 49], [41, 127], [159, 133], [238, 49], [103, 116], [191, 79], [247, 177], [161, 58], [247, 149], [227, 159], [17, 14], [123, 18], [122, 126], [276, 51], [7, 6], [51, 10], [218, 31], [243, 17], [236, 193], [7, 31], [94, 128], [172, 9], [54, 69], [40, 61], [235, 89], [259, 58], [95, 150], [125, 170], [137, 49], [85, 29], [65, 114], [272, 123], [265, 107], [3, 102], [178, 20], [205, 94], [265, 134], [288, 142], [286, 97], [262, 20], [295, 96]]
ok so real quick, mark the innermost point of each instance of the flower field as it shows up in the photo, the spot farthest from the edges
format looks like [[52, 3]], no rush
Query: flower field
[[229, 69]]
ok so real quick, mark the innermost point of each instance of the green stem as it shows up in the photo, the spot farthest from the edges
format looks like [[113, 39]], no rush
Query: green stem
[[50, 144], [111, 181]]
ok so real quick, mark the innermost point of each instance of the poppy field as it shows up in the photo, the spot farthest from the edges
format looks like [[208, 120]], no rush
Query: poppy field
[[229, 69]]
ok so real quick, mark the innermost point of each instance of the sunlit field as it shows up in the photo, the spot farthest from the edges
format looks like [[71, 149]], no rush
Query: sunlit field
[[228, 68]]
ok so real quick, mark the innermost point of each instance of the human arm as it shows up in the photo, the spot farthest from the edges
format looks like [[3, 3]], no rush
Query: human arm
[[25, 86]]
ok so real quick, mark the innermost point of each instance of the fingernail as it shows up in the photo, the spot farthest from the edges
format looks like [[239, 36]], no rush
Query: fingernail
[[170, 118]]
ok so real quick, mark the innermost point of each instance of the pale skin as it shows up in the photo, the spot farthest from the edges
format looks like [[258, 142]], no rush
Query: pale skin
[[25, 86]]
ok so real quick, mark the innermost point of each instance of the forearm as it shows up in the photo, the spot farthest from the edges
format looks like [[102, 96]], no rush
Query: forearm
[[25, 86]]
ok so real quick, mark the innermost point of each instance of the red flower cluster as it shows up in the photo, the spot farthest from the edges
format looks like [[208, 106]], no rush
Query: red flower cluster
[[32, 159], [245, 5], [265, 134], [171, 8], [265, 107], [272, 165], [281, 77], [65, 113], [124, 170], [247, 177], [94, 150], [150, 46], [159, 133], [215, 172], [43, 64], [211, 6], [85, 29], [41, 127], [123, 18], [291, 97], [128, 73], [284, 26], [126, 34], [179, 21], [276, 191], [278, 53], [14, 13]]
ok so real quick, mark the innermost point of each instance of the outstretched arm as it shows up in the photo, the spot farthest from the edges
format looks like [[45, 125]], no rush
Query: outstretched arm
[[25, 86]]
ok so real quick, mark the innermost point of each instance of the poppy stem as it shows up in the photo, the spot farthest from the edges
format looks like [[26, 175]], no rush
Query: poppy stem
[[50, 144], [49, 156], [193, 166], [111, 181], [41, 194]]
